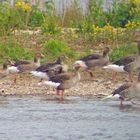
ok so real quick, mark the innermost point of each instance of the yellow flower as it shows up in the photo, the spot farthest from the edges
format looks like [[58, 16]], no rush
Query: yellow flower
[[134, 1], [23, 5], [27, 7], [131, 24]]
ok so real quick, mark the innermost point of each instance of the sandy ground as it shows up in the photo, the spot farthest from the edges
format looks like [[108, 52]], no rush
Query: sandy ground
[[99, 86]]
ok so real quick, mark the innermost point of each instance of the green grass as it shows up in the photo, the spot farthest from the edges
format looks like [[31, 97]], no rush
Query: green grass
[[123, 50], [12, 50], [54, 48]]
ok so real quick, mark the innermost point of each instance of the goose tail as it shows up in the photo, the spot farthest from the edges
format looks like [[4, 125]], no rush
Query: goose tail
[[49, 83], [114, 67], [39, 74], [116, 96]]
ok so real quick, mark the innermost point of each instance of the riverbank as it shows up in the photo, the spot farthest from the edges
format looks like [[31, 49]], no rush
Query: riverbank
[[101, 85]]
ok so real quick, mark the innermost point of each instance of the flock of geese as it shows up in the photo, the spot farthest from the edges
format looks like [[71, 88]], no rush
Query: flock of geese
[[56, 74]]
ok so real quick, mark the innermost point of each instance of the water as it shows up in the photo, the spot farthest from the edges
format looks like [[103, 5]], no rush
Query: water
[[76, 118]]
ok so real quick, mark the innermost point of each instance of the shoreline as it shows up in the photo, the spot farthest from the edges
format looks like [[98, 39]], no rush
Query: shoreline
[[102, 85]]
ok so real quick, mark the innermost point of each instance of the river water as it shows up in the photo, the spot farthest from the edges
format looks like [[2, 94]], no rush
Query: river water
[[76, 118]]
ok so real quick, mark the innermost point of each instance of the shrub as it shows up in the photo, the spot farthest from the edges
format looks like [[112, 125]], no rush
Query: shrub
[[50, 26], [13, 50], [123, 50], [96, 12], [10, 19], [36, 17], [55, 48]]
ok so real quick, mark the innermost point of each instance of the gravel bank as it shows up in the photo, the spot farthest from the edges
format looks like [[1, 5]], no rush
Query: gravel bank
[[100, 86]]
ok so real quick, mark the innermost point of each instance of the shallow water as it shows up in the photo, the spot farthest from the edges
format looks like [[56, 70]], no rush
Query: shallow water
[[84, 118]]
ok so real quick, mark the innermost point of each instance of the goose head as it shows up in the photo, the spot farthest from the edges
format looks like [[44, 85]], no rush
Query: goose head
[[106, 51], [37, 57], [61, 59], [7, 63], [79, 64]]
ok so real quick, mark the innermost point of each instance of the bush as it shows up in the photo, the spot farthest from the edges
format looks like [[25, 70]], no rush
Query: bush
[[13, 50], [50, 26], [54, 48], [122, 51], [10, 19], [36, 17]]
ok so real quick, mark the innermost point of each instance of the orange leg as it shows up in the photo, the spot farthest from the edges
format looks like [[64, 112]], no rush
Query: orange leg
[[130, 77], [41, 80], [114, 76], [58, 92], [90, 73], [62, 95], [121, 103], [15, 78]]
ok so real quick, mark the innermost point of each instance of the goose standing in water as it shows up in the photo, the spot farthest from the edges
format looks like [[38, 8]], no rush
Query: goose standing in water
[[127, 91], [92, 61], [64, 81], [125, 64]]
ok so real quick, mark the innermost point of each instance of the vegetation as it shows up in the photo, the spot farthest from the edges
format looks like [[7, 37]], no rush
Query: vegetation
[[55, 48], [123, 50], [12, 49], [72, 32]]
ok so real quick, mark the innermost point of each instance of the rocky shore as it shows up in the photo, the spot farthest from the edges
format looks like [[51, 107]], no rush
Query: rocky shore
[[101, 85]]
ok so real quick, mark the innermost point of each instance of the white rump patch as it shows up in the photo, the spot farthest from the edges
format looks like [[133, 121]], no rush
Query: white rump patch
[[81, 63], [49, 83], [115, 97], [39, 74], [12, 69], [115, 68]]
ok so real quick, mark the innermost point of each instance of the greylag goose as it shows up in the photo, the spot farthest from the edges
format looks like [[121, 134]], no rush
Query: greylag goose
[[24, 66], [63, 81], [125, 64], [127, 91], [51, 69], [89, 62]]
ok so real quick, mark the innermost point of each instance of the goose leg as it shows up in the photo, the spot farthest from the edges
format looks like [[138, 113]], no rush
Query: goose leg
[[57, 91], [41, 80], [62, 95], [114, 75], [121, 103], [90, 73], [130, 77], [15, 78]]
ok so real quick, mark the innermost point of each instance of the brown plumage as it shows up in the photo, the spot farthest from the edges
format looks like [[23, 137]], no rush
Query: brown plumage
[[90, 62], [64, 81], [24, 66], [51, 69], [27, 66], [128, 91]]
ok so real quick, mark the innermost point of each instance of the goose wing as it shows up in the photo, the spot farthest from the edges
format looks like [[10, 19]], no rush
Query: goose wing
[[21, 62], [124, 61], [60, 78], [91, 57], [121, 89]]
